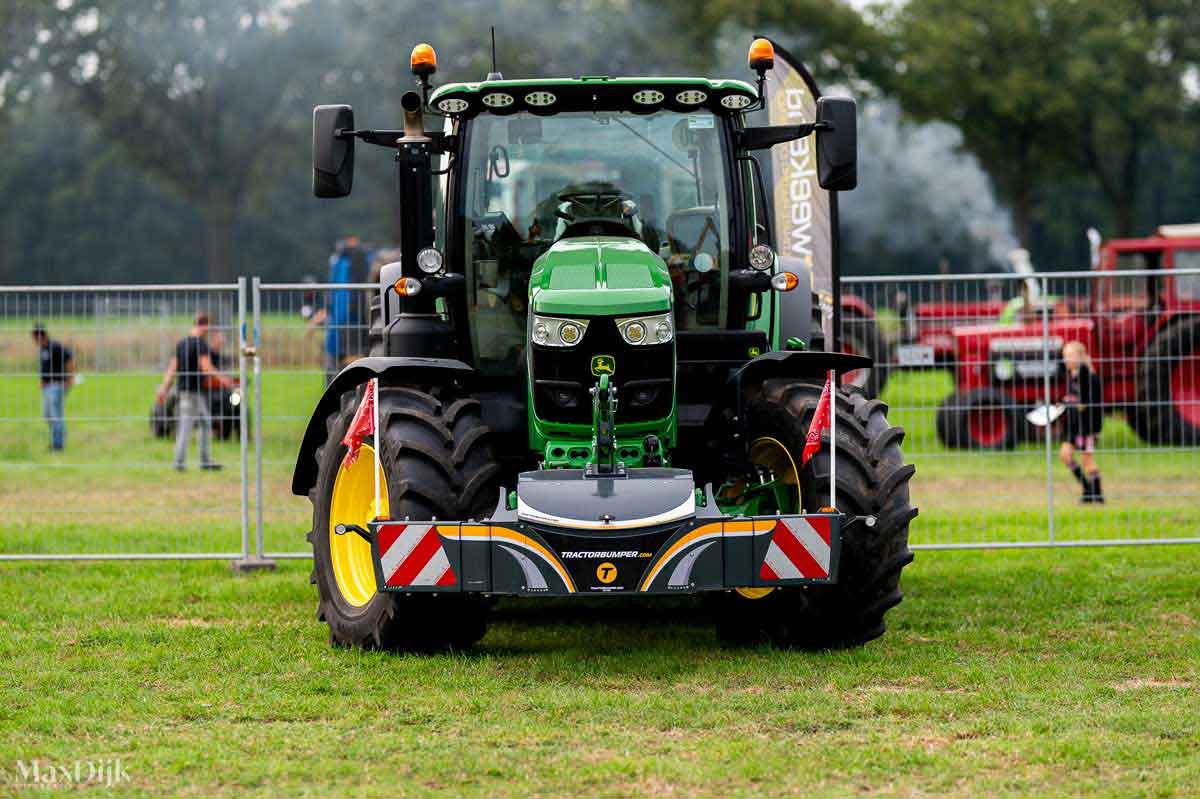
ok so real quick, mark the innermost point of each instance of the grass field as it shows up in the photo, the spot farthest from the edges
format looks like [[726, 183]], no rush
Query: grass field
[[1019, 673]]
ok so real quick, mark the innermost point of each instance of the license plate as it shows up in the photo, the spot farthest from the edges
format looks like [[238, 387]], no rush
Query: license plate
[[914, 355]]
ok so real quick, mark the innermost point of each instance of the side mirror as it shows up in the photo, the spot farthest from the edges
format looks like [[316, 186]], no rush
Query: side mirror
[[837, 143], [333, 157]]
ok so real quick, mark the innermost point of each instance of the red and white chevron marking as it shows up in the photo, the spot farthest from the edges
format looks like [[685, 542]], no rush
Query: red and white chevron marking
[[412, 554], [799, 548]]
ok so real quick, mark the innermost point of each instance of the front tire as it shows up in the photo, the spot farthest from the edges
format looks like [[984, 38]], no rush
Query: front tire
[[979, 419], [437, 464], [872, 480]]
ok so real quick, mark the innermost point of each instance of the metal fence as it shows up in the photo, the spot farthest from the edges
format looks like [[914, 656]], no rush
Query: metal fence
[[107, 487], [967, 361], [963, 361]]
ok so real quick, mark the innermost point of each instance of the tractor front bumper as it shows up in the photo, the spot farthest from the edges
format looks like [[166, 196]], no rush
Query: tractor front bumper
[[639, 533]]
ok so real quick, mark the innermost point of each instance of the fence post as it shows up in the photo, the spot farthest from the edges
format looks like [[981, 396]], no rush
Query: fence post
[[250, 562], [241, 310], [258, 427], [1046, 399]]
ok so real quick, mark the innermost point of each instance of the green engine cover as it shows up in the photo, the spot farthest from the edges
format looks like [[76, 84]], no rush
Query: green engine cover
[[604, 275], [598, 278]]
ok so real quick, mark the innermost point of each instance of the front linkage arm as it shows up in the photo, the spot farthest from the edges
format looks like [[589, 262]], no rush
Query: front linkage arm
[[604, 442]]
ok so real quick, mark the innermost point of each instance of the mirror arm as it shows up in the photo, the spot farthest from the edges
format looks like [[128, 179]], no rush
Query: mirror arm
[[763, 137], [442, 141]]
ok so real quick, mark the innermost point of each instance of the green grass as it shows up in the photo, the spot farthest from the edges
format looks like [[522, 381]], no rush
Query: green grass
[[1064, 673]]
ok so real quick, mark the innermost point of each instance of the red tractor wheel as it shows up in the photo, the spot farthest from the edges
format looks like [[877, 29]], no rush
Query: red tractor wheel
[[1185, 390], [1168, 391], [979, 419]]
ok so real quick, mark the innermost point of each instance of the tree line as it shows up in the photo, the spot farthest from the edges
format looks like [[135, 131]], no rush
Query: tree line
[[167, 141]]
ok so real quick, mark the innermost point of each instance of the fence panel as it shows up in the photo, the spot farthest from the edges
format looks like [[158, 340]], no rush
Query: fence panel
[[306, 333], [107, 487], [967, 357]]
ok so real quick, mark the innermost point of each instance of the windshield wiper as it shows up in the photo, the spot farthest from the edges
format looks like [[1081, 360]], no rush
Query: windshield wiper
[[658, 149]]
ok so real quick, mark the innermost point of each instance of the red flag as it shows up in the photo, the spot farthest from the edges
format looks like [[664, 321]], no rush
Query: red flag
[[820, 421], [361, 426]]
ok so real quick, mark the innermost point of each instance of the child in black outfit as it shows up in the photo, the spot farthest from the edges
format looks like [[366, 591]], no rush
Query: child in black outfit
[[1083, 419]]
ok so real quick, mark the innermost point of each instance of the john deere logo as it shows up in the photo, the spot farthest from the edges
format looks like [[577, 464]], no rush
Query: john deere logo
[[606, 572], [604, 365]]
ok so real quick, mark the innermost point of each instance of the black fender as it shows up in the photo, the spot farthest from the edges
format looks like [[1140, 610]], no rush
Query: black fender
[[390, 370], [804, 363], [725, 426]]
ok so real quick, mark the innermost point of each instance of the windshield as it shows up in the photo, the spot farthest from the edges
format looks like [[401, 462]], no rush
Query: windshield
[[533, 180]]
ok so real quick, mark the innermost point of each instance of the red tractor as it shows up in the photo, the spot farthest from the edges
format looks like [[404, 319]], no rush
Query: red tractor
[[1141, 324]]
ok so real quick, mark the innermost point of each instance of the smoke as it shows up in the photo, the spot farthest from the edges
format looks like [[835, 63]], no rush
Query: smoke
[[921, 198]]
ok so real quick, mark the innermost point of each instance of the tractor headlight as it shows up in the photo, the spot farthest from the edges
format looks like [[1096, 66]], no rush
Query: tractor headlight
[[569, 333], [641, 330], [762, 257], [430, 261], [548, 331]]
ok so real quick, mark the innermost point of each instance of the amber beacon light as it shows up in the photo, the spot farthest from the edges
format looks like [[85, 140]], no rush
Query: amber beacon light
[[424, 60], [762, 55]]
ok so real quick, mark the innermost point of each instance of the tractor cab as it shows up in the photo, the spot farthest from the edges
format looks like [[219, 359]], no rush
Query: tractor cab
[[580, 199], [548, 165]]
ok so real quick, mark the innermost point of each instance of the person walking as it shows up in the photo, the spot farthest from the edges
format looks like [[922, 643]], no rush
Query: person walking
[[192, 369], [1083, 419], [57, 366]]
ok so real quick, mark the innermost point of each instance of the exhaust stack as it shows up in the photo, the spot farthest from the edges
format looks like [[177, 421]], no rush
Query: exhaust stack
[[414, 120]]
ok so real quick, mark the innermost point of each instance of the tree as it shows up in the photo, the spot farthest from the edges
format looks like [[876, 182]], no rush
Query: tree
[[1046, 90], [190, 92]]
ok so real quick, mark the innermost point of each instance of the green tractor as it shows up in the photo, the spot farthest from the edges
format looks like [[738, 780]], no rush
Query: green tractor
[[580, 382]]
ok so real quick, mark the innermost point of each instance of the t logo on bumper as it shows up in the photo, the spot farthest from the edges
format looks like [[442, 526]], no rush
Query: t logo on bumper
[[606, 573]]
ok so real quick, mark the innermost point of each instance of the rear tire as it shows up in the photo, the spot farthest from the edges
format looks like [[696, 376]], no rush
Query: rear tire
[[980, 419], [438, 462], [872, 480], [860, 336], [1168, 396]]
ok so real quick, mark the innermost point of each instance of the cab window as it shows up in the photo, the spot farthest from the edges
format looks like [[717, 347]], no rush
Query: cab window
[[1187, 287], [531, 181]]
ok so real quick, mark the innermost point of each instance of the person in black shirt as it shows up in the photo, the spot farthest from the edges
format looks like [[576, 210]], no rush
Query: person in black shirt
[[192, 369], [57, 375], [1083, 419]]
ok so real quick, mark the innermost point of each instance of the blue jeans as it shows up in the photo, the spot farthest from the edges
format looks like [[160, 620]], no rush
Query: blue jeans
[[53, 395]]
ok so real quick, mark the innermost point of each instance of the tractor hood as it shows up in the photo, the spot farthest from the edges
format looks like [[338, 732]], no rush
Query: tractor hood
[[599, 276]]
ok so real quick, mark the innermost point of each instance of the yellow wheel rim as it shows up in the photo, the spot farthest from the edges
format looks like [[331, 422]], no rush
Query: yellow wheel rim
[[772, 454], [353, 502]]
